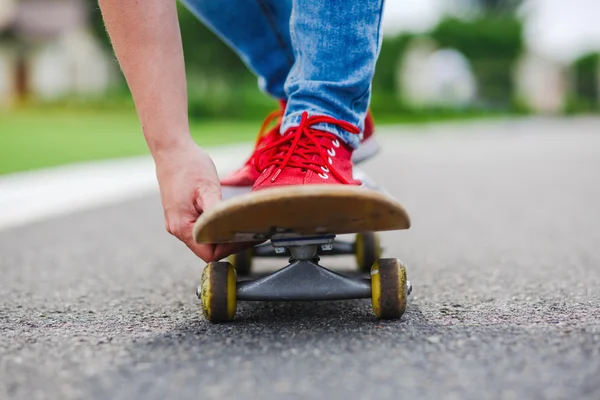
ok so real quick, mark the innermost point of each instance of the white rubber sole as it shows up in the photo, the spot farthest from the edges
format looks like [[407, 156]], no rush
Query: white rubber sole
[[366, 150]]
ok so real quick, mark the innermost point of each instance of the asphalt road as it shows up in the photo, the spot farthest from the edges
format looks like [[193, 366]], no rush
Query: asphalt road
[[504, 256]]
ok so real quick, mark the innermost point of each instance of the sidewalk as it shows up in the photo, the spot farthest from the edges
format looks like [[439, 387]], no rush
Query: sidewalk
[[27, 197]]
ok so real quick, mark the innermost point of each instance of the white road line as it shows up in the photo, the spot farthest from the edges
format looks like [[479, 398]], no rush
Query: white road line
[[27, 197]]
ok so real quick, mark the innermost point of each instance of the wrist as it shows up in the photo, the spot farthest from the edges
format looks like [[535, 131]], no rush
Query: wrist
[[167, 147]]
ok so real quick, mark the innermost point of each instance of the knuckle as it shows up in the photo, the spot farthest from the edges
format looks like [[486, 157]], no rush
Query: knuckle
[[173, 228], [168, 228]]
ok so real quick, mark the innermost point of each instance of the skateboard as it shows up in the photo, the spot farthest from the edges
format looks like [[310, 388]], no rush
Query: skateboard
[[365, 248], [301, 223]]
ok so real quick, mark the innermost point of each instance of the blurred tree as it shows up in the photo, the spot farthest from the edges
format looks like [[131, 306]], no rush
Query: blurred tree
[[388, 62], [587, 83], [204, 50], [221, 86], [499, 6], [205, 53], [11, 39], [96, 23]]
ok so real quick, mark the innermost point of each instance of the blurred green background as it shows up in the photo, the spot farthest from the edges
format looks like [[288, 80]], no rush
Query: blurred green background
[[474, 62]]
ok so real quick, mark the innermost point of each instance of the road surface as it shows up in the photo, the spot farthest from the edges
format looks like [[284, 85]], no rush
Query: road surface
[[504, 256]]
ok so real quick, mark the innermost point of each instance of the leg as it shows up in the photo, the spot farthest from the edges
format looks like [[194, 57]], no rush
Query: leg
[[258, 31], [336, 45]]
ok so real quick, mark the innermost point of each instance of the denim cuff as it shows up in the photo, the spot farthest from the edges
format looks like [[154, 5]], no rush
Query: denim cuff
[[351, 139]]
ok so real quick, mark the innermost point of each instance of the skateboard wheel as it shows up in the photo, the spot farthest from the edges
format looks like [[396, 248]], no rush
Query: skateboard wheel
[[218, 292], [389, 289], [242, 261], [366, 250]]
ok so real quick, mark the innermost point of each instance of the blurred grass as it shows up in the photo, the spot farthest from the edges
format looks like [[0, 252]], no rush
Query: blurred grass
[[35, 138], [38, 137]]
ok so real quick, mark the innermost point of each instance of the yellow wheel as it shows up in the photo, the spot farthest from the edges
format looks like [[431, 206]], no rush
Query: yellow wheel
[[366, 250], [389, 289], [218, 292], [242, 261]]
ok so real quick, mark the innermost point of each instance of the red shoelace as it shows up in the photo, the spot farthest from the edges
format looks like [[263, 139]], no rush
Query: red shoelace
[[300, 144], [264, 129]]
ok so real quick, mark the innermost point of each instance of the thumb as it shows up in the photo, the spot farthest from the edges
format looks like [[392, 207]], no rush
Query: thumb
[[207, 198]]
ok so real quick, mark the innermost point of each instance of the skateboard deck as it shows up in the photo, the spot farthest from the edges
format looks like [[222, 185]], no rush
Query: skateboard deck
[[300, 211]]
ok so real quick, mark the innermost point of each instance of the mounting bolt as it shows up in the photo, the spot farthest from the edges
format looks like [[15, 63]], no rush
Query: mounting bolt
[[199, 291], [408, 287], [327, 247], [279, 250]]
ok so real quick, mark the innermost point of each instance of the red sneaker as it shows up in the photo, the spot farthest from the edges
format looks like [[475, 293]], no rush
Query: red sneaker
[[241, 180], [368, 145], [305, 156]]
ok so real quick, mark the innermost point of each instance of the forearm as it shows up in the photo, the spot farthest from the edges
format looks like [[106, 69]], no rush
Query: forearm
[[147, 42]]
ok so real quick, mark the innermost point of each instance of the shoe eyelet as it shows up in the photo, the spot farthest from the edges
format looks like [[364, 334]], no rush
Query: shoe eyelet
[[330, 161], [325, 168], [336, 143], [331, 152], [324, 176]]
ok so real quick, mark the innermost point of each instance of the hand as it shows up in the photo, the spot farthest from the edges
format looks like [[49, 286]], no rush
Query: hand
[[189, 185]]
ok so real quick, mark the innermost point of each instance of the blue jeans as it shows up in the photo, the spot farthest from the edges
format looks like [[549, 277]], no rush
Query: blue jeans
[[319, 55]]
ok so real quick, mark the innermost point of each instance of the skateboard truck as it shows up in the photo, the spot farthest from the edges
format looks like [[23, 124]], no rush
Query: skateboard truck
[[304, 279], [366, 249], [323, 243]]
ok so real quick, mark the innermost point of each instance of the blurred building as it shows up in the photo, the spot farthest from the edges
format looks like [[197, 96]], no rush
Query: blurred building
[[434, 77], [557, 34], [542, 84], [47, 50]]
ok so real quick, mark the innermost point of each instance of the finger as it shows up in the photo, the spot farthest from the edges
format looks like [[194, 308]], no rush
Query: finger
[[216, 252], [213, 252], [206, 252], [207, 198], [223, 250]]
